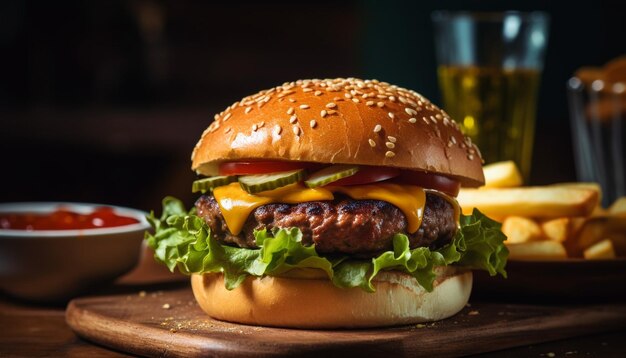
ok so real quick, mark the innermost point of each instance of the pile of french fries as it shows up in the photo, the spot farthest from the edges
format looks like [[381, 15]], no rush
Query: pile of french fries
[[549, 222]]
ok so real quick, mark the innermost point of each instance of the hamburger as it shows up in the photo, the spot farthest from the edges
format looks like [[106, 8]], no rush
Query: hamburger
[[330, 203]]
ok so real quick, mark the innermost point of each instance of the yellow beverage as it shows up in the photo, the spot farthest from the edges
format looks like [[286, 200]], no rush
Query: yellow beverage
[[495, 107]]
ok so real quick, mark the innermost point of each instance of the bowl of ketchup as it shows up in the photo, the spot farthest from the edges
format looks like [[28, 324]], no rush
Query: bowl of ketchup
[[51, 252]]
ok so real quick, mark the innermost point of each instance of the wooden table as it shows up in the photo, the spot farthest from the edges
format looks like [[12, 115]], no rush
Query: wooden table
[[30, 330]]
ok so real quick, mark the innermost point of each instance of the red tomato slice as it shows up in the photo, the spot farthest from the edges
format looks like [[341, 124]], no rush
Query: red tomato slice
[[367, 175], [430, 181], [262, 167]]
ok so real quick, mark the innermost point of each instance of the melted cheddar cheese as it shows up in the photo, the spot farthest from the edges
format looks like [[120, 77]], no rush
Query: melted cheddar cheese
[[236, 204]]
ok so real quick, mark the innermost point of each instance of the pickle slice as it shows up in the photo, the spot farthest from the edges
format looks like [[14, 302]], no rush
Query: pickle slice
[[330, 174], [262, 182], [207, 184]]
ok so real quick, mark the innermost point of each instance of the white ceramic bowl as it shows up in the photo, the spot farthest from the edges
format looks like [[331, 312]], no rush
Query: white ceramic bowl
[[55, 265]]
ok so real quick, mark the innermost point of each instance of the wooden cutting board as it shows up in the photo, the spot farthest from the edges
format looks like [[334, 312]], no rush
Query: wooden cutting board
[[170, 324]]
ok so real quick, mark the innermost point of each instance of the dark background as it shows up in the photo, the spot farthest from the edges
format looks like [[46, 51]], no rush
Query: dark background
[[102, 101]]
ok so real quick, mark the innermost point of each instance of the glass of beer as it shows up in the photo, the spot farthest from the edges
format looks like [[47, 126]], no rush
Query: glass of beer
[[597, 103], [489, 66]]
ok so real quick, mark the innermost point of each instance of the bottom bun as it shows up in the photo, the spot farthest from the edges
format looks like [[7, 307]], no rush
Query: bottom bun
[[317, 303]]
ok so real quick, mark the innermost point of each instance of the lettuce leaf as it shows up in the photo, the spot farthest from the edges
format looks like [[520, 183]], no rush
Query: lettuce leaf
[[183, 240]]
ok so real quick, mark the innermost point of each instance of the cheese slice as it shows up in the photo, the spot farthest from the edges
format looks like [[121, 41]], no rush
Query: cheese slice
[[409, 199], [236, 204]]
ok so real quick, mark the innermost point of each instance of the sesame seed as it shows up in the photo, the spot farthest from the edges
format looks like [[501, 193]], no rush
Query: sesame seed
[[216, 117], [392, 139], [390, 145], [425, 120], [355, 100], [380, 104], [323, 113], [261, 124], [330, 105], [290, 111], [293, 119], [318, 93], [470, 157], [433, 119], [292, 100], [453, 140], [412, 120], [347, 95], [410, 111], [304, 106], [391, 115], [438, 116], [228, 130], [307, 90], [381, 96], [389, 154], [248, 109], [254, 127], [372, 143], [227, 116], [296, 130], [313, 123], [392, 98], [331, 111], [278, 129], [370, 103], [378, 128]]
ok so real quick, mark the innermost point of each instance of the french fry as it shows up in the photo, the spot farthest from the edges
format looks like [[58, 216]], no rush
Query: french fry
[[519, 229], [537, 250], [585, 185], [556, 229], [601, 250], [540, 201], [618, 208], [502, 175], [576, 224], [597, 229]]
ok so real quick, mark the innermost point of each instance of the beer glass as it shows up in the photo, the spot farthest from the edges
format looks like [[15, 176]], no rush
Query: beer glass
[[489, 66], [597, 112]]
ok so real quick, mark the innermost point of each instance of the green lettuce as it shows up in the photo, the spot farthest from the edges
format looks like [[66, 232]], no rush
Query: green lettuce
[[183, 240]]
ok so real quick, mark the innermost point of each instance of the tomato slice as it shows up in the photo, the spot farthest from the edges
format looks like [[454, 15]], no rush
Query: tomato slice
[[262, 167], [367, 175], [430, 181]]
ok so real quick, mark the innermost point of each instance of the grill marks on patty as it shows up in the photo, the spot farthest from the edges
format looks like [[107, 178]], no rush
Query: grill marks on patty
[[361, 228]]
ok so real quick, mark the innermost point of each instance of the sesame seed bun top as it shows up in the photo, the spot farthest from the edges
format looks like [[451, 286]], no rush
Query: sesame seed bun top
[[349, 121]]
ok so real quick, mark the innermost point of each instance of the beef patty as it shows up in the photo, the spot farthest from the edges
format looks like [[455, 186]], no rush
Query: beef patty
[[362, 228]]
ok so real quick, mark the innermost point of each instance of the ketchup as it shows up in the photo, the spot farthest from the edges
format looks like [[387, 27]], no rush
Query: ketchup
[[63, 219]]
